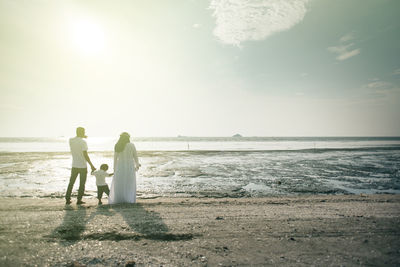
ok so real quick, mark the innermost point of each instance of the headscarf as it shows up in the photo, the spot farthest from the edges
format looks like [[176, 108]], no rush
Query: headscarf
[[123, 140]]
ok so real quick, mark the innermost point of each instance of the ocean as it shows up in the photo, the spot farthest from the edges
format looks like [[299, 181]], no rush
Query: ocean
[[213, 166]]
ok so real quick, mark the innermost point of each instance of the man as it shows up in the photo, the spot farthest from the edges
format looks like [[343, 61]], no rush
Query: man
[[80, 158]]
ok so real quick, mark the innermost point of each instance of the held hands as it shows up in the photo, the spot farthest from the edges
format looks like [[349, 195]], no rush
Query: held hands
[[137, 166]]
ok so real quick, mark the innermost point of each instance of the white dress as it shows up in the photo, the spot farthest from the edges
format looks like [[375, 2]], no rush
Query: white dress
[[123, 185]]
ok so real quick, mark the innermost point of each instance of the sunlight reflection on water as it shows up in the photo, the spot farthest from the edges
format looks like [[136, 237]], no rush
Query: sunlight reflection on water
[[228, 173]]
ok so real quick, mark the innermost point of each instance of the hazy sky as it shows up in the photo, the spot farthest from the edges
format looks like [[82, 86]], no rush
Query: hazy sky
[[200, 67]]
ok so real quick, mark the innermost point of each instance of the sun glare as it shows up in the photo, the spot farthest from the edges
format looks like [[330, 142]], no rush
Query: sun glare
[[87, 36]]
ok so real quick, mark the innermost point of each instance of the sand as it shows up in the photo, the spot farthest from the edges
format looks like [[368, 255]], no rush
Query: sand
[[349, 230]]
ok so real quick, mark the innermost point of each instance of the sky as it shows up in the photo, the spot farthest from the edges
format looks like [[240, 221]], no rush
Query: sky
[[200, 67]]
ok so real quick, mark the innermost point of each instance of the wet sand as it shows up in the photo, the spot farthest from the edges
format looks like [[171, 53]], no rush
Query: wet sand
[[348, 230]]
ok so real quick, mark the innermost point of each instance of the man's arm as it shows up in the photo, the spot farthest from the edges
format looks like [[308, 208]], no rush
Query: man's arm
[[85, 154]]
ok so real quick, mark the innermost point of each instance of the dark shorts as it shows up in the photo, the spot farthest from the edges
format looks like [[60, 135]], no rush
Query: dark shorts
[[102, 189]]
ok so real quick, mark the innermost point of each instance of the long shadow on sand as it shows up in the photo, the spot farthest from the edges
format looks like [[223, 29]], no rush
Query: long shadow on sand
[[72, 226], [143, 224]]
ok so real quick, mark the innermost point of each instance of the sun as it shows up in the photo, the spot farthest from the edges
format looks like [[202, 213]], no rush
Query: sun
[[87, 36]]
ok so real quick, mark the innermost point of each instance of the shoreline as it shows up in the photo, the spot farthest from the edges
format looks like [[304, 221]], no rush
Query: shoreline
[[318, 230], [141, 197], [144, 197]]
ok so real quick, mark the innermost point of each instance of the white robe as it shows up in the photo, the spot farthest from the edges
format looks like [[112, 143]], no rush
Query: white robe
[[123, 185]]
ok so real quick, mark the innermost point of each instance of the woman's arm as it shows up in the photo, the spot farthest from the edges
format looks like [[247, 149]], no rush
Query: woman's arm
[[135, 157], [115, 160]]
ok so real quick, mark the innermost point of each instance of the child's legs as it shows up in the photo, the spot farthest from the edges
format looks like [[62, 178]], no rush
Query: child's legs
[[99, 192], [107, 190]]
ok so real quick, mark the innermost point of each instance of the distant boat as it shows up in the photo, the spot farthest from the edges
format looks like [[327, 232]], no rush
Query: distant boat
[[237, 136]]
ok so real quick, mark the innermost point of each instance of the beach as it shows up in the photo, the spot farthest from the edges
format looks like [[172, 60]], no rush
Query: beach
[[306, 230], [243, 133]]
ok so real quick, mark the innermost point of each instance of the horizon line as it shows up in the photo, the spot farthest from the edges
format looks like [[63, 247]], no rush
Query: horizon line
[[221, 136]]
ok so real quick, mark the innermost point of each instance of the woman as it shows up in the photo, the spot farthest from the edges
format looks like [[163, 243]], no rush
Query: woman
[[126, 163]]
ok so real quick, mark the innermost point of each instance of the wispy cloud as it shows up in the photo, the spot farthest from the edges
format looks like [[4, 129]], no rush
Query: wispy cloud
[[379, 84], [396, 72], [345, 50], [377, 88], [242, 20], [347, 37]]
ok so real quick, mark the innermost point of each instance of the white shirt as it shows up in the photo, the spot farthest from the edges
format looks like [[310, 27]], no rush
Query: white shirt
[[78, 145], [100, 177]]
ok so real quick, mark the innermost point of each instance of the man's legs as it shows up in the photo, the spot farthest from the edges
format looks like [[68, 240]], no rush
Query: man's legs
[[72, 179], [82, 182]]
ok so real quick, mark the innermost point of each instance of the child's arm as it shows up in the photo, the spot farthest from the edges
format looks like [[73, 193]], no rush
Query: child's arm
[[111, 174]]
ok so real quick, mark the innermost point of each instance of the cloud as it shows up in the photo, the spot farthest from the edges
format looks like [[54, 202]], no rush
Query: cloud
[[242, 20], [345, 50], [378, 84], [348, 54], [347, 37], [396, 72], [381, 89]]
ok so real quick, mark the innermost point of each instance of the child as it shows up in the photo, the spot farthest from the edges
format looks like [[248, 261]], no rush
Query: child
[[101, 181]]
